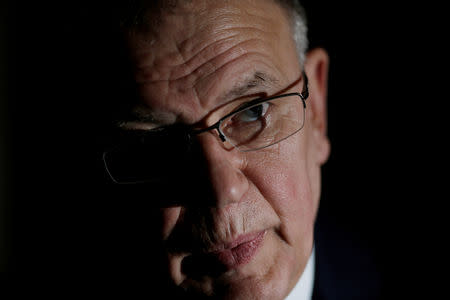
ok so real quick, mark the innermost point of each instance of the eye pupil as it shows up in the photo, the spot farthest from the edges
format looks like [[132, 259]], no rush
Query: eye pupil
[[253, 113], [256, 111]]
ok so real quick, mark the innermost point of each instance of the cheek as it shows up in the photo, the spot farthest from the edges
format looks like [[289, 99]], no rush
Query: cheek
[[286, 185], [296, 206], [303, 203]]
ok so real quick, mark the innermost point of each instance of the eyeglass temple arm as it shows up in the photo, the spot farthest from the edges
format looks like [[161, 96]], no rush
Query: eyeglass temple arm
[[305, 93]]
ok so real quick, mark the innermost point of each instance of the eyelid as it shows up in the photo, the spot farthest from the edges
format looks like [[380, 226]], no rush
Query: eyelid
[[247, 108], [230, 107], [248, 104]]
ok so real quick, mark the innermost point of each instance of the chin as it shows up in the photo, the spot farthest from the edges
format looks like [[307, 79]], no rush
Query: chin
[[253, 288], [267, 274]]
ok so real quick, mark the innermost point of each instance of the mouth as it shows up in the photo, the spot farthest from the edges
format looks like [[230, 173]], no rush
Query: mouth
[[240, 251], [224, 257]]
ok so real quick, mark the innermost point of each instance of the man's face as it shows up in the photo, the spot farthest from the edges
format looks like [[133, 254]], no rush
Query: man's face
[[253, 234]]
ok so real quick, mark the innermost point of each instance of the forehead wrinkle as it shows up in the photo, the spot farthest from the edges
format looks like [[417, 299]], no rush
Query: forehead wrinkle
[[210, 67], [198, 101], [171, 68], [225, 43], [212, 94], [170, 98], [238, 52], [220, 29], [218, 42], [221, 60], [207, 51]]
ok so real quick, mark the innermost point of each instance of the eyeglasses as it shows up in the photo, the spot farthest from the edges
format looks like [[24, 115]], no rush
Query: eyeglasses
[[151, 156]]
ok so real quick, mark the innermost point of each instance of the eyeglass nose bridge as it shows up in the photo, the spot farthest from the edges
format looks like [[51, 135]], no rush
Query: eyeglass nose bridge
[[215, 126]]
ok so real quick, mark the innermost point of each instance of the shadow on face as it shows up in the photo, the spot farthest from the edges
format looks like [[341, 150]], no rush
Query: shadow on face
[[219, 221]]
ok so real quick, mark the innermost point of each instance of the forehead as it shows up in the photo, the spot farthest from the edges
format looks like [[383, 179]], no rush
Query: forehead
[[188, 58]]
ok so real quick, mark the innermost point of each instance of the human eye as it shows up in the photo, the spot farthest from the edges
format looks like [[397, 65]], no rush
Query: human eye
[[252, 114], [248, 123]]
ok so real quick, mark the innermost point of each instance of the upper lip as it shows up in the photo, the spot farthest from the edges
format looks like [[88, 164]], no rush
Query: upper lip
[[241, 239]]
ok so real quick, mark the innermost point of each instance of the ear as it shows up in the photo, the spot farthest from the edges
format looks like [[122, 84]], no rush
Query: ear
[[316, 67]]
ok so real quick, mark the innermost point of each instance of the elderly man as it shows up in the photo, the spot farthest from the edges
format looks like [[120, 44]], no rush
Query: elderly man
[[228, 132]]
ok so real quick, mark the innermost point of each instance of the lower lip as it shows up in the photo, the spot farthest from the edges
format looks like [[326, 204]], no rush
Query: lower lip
[[240, 254]]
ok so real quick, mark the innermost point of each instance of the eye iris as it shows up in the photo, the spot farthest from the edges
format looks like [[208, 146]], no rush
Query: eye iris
[[253, 113]]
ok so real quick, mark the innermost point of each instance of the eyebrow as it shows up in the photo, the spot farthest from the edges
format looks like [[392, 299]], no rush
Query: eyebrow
[[144, 118], [259, 79], [141, 116]]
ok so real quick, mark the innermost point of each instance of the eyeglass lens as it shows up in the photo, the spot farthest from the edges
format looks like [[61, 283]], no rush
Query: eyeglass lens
[[264, 124], [252, 128]]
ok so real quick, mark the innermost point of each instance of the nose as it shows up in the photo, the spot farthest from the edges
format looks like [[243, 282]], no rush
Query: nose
[[224, 170]]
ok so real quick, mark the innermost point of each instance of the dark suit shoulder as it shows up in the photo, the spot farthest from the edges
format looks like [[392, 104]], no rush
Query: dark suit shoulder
[[345, 265]]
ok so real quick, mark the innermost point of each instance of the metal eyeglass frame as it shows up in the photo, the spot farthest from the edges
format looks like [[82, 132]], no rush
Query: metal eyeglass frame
[[303, 95], [191, 132]]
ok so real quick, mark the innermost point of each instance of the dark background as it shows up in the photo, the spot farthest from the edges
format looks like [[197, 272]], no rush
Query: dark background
[[58, 74]]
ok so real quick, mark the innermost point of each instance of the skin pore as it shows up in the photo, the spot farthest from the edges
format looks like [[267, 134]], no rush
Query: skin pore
[[201, 57]]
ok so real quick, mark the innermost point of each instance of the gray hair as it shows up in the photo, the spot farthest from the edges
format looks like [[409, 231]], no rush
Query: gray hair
[[298, 20], [300, 36]]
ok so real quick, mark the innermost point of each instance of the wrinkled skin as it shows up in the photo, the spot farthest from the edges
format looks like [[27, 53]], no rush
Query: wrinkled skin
[[185, 70]]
